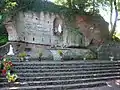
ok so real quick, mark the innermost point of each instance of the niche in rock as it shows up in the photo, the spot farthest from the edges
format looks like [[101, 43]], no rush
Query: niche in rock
[[57, 26]]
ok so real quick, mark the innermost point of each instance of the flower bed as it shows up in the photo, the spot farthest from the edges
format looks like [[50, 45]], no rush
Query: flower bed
[[6, 69]]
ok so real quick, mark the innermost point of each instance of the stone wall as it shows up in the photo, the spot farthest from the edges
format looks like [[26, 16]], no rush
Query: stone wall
[[35, 28], [48, 53], [109, 50], [42, 28]]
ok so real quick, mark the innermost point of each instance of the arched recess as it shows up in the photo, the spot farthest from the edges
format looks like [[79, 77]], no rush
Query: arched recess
[[57, 26], [11, 29]]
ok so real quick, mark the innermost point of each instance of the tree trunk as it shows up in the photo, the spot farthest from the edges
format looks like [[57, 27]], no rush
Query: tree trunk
[[111, 10], [115, 22], [69, 3], [93, 7]]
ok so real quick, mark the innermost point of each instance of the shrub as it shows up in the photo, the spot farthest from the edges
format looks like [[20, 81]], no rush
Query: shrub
[[22, 55], [60, 52], [3, 40], [40, 54], [90, 56]]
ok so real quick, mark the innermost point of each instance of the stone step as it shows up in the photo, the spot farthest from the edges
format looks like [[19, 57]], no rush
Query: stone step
[[66, 63], [67, 70], [71, 76], [57, 87], [64, 77], [55, 82], [65, 73], [64, 66]]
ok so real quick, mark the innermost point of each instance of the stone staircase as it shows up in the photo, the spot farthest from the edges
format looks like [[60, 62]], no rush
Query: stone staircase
[[71, 75]]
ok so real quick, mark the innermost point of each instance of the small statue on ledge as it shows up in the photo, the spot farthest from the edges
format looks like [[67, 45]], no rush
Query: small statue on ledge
[[10, 51]]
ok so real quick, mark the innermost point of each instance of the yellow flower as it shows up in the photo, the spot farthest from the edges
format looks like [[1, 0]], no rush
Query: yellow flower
[[11, 78]]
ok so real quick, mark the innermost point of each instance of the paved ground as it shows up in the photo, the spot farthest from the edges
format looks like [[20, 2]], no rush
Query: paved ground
[[110, 86], [102, 88]]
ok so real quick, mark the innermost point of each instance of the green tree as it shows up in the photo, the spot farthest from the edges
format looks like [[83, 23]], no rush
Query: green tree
[[90, 6], [6, 7]]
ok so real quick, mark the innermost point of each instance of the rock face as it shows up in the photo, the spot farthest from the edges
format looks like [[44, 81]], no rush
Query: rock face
[[95, 29], [43, 28]]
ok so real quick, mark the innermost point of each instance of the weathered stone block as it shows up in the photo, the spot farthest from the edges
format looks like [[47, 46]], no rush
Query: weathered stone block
[[108, 50]]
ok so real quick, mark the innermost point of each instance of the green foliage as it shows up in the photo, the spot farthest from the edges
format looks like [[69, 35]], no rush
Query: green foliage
[[83, 7], [3, 39], [11, 77], [3, 35], [115, 38], [3, 30], [60, 52], [40, 54], [38, 5], [22, 55], [79, 6], [61, 2], [65, 7], [6, 7], [12, 7], [90, 56]]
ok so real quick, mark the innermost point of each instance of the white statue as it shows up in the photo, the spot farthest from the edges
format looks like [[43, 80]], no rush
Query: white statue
[[59, 28], [111, 58], [10, 51]]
